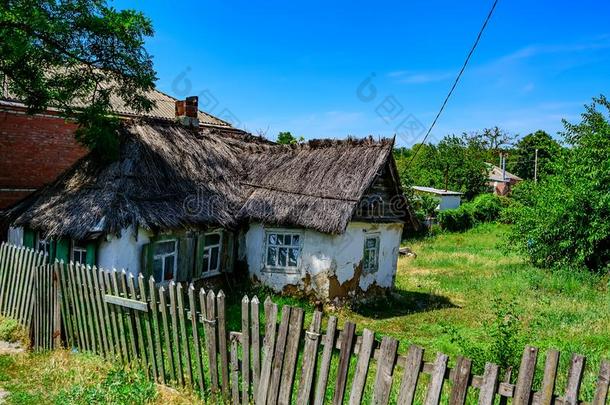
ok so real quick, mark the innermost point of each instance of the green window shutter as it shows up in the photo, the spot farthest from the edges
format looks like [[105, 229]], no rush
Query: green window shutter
[[146, 260], [29, 238], [92, 253], [226, 252], [199, 255], [186, 257], [62, 250]]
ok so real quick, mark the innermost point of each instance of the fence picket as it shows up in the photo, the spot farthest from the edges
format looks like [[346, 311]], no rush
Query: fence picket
[[139, 330], [329, 341], [185, 349], [210, 338], [95, 316], [603, 380], [410, 375], [129, 315], [104, 313], [169, 352], [156, 327], [461, 376], [525, 377], [222, 342], [489, 384], [577, 365], [255, 344], [234, 338], [545, 396], [119, 317], [347, 343], [114, 320], [152, 364], [196, 343], [278, 356], [385, 370], [433, 395], [268, 350], [245, 349], [362, 367], [312, 338], [290, 355]]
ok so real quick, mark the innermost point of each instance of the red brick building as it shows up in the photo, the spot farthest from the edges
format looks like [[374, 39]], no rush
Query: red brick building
[[35, 149]]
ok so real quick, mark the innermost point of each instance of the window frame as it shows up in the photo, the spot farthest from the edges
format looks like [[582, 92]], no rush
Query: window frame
[[46, 242], [162, 257], [377, 249], [277, 268], [82, 249], [211, 273]]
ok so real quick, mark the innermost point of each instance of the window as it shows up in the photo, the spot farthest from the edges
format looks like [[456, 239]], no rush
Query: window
[[211, 254], [79, 252], [371, 254], [44, 245], [165, 260], [283, 250]]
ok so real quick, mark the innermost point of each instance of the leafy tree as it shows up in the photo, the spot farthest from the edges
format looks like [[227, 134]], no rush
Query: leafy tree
[[75, 55], [566, 219], [525, 152], [286, 138]]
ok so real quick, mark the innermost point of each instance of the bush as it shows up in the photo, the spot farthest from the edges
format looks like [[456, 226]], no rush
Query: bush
[[456, 220], [486, 207], [11, 331], [564, 220]]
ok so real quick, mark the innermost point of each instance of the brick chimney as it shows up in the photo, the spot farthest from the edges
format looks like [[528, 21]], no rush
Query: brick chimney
[[186, 111]]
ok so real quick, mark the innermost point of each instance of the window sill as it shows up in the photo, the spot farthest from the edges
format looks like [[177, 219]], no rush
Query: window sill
[[208, 275]]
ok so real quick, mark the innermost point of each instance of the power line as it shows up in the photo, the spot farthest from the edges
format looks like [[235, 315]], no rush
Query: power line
[[457, 79]]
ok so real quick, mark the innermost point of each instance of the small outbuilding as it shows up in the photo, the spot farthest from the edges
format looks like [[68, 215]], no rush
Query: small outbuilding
[[447, 199]]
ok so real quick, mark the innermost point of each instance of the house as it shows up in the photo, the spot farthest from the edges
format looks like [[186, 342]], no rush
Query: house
[[500, 181], [185, 202], [447, 199]]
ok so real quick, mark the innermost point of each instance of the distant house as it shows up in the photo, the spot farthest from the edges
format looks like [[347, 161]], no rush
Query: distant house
[[188, 203], [500, 181], [447, 199]]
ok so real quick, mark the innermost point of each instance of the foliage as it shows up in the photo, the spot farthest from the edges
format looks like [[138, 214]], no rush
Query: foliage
[[484, 208], [75, 55], [525, 152], [456, 220], [11, 331], [456, 163], [286, 138], [565, 221], [504, 338], [426, 204]]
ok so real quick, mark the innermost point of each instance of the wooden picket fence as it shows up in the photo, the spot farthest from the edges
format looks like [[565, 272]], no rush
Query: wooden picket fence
[[18, 266], [179, 336]]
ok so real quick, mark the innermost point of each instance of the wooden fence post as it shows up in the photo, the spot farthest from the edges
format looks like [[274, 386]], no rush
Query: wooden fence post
[[526, 376]]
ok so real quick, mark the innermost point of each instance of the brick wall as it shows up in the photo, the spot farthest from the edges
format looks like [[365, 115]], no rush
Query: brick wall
[[34, 150]]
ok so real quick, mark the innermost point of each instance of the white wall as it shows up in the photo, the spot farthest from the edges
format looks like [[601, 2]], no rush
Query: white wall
[[449, 202], [123, 252], [326, 256], [15, 236]]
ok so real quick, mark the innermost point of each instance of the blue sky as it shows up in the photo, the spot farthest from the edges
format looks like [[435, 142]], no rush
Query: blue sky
[[338, 68]]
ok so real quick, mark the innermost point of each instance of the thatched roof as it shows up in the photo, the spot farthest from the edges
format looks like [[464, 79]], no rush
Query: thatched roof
[[172, 177]]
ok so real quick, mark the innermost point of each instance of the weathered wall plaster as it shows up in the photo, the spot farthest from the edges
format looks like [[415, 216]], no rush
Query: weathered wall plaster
[[123, 252], [330, 265]]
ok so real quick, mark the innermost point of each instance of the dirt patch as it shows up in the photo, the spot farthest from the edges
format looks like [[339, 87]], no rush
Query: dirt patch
[[11, 348]]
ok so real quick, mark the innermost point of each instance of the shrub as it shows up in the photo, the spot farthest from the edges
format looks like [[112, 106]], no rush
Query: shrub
[[11, 331], [486, 207], [456, 220], [564, 221]]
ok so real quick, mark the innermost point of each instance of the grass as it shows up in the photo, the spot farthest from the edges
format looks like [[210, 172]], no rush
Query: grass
[[62, 377]]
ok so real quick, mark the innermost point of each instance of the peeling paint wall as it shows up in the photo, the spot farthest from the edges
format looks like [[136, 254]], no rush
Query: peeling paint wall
[[123, 252], [330, 265], [15, 236]]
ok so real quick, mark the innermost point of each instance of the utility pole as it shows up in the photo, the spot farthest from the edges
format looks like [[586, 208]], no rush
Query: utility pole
[[503, 166], [536, 167]]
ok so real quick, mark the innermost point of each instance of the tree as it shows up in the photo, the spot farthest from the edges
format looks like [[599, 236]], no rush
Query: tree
[[75, 55], [492, 140], [286, 138], [525, 153], [565, 221]]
